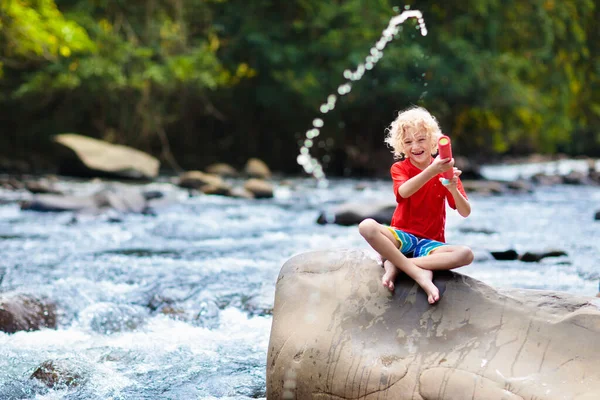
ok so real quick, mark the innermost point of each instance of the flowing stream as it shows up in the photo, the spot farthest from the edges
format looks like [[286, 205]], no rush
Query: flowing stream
[[177, 305]]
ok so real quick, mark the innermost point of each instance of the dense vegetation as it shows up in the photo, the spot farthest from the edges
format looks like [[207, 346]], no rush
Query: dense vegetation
[[209, 80]]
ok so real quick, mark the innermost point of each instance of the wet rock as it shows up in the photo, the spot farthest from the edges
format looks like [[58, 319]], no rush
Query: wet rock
[[56, 374], [536, 257], [39, 187], [259, 188], [338, 334], [484, 187], [57, 203], [222, 169], [352, 213], [241, 193], [206, 183], [575, 178], [11, 183], [507, 255], [123, 201], [520, 186], [24, 312], [173, 312], [477, 230], [546, 180], [108, 318], [85, 156], [257, 169]]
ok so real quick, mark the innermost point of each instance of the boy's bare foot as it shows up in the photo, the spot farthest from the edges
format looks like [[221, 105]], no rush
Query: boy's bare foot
[[425, 280], [391, 272]]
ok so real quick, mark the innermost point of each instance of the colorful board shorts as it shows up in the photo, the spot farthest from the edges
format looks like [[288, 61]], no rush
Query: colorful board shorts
[[413, 246]]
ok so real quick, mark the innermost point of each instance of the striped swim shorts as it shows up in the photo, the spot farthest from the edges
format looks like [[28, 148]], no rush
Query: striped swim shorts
[[413, 246]]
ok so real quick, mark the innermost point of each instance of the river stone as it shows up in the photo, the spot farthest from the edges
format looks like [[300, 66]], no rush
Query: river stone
[[23, 312], [222, 169], [259, 188], [338, 334], [257, 168], [57, 373], [102, 158]]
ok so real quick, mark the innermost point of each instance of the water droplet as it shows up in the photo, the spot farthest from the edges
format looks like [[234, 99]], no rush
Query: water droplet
[[347, 74], [317, 122], [324, 108], [308, 144], [302, 159], [331, 98], [407, 7]]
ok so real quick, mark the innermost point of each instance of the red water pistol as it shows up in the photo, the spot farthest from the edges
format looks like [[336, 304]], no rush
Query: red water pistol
[[445, 151]]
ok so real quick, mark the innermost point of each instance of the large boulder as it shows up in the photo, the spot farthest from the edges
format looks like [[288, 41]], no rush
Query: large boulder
[[337, 333], [85, 156]]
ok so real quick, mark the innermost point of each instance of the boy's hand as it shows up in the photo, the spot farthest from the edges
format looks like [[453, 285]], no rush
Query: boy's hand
[[440, 165], [451, 184]]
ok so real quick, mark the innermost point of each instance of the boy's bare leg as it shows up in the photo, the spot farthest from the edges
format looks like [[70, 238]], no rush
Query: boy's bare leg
[[445, 257], [389, 277], [383, 241]]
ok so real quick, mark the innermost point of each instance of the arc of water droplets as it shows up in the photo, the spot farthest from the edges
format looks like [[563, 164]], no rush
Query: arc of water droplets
[[310, 164]]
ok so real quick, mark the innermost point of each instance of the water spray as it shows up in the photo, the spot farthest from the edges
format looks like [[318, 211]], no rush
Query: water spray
[[310, 164]]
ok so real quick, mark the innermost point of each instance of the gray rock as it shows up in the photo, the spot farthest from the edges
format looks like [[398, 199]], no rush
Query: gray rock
[[85, 156], [24, 312], [338, 334]]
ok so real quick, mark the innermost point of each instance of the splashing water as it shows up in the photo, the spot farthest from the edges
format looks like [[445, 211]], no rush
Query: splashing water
[[310, 164]]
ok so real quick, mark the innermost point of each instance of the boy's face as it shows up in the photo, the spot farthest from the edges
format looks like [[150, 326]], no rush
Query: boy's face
[[418, 148]]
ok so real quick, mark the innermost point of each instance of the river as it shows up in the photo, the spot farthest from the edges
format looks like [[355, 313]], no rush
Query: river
[[177, 305]]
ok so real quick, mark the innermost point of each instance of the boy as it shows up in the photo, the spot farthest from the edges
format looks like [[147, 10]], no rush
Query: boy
[[417, 228]]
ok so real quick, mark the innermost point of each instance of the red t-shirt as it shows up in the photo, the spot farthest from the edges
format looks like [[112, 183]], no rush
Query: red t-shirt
[[424, 213]]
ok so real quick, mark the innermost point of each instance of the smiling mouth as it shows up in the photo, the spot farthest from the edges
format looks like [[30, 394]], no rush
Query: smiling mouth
[[419, 153]]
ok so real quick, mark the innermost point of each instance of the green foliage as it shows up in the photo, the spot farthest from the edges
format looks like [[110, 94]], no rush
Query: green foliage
[[229, 79], [36, 31]]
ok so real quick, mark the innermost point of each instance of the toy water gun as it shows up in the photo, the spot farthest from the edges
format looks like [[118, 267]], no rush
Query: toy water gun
[[445, 151]]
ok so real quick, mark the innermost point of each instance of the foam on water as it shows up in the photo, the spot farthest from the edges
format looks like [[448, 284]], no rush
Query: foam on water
[[526, 171]]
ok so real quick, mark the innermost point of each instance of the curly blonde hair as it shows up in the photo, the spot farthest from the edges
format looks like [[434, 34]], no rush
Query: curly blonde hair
[[410, 122]]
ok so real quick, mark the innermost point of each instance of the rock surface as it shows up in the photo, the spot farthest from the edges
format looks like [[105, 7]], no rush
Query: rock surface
[[23, 312], [123, 201], [338, 334], [95, 157]]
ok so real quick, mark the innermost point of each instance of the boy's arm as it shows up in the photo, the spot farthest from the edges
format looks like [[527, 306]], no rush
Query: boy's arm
[[462, 205], [415, 183]]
